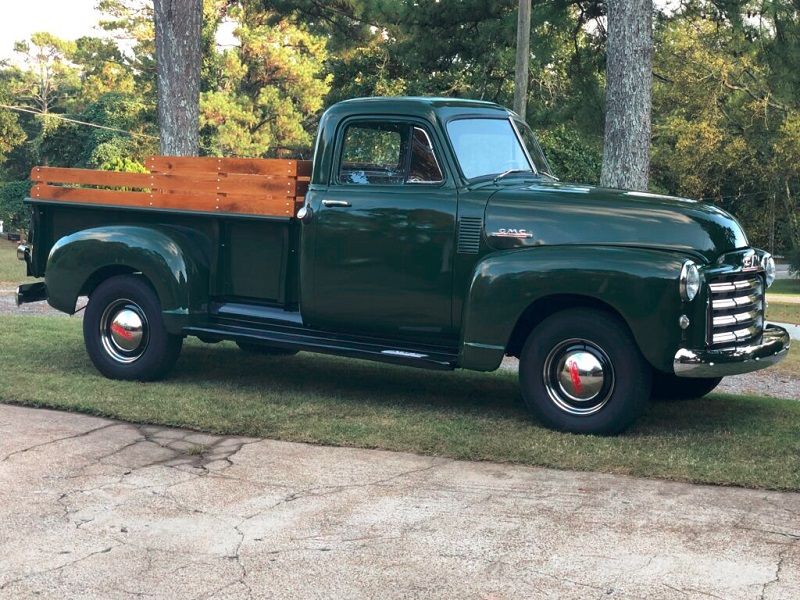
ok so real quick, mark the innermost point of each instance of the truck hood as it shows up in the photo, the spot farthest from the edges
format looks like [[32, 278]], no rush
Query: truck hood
[[548, 213]]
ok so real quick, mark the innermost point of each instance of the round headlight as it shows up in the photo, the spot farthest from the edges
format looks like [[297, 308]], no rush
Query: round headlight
[[690, 281], [768, 263]]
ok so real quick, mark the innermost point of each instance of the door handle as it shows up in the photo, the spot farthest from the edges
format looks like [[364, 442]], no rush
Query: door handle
[[336, 203]]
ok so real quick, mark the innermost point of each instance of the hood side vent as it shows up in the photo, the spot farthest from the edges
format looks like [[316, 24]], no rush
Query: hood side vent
[[469, 235]]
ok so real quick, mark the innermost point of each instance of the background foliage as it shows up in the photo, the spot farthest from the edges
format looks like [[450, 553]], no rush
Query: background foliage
[[726, 116]]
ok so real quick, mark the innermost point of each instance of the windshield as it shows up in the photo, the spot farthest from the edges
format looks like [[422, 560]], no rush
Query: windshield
[[486, 147]]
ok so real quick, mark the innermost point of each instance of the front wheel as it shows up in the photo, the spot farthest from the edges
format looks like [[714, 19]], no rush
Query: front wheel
[[581, 371], [124, 332]]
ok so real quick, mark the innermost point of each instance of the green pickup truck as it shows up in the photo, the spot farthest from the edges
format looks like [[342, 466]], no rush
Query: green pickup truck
[[432, 234]]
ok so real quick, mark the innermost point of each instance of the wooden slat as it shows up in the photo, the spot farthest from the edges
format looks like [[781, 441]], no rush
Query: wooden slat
[[255, 185], [259, 166], [248, 205], [182, 165], [204, 203], [283, 207], [89, 196], [245, 166], [196, 196], [248, 185], [90, 177]]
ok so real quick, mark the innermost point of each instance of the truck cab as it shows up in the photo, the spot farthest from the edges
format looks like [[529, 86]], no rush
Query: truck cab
[[430, 233]]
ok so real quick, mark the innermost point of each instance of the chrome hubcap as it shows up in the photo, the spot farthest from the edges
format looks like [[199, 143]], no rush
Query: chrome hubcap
[[579, 377], [124, 331]]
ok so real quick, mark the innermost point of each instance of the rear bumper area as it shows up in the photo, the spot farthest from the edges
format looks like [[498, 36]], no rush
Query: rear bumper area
[[773, 348], [31, 292]]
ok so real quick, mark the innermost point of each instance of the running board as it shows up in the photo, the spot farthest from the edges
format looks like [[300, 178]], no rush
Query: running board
[[324, 343], [255, 312]]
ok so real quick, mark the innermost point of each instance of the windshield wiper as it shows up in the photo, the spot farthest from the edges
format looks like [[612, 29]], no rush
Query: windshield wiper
[[511, 171]]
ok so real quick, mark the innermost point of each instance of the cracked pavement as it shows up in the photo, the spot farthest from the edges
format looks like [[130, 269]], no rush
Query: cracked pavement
[[94, 508]]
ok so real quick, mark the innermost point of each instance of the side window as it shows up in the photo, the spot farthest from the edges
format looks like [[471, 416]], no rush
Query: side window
[[373, 153], [424, 168], [377, 153]]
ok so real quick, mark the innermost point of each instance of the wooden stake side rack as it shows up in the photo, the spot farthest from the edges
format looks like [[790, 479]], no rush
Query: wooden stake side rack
[[254, 186]]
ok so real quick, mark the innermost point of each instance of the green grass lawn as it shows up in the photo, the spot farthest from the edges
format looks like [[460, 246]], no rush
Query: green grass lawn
[[11, 269], [785, 286], [730, 440], [783, 312]]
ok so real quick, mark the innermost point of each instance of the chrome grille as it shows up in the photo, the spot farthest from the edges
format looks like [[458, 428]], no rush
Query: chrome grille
[[736, 309]]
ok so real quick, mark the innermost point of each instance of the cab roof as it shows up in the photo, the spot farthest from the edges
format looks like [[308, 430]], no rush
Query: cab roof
[[416, 106]]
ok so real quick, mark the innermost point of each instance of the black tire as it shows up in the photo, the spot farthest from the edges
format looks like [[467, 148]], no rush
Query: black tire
[[118, 348], [253, 348], [670, 387], [596, 348]]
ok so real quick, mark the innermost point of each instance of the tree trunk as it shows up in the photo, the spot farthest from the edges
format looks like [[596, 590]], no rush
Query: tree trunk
[[178, 54], [523, 57], [629, 80]]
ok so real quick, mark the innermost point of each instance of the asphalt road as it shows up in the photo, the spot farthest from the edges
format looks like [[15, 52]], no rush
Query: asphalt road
[[92, 508]]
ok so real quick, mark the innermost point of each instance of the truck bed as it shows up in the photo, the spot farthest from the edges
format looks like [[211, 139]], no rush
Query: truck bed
[[243, 210]]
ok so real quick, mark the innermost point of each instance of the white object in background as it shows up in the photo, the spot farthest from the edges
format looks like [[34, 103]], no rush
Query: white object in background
[[1, 226]]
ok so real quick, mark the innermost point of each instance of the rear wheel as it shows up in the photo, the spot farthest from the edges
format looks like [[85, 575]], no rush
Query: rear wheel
[[671, 387], [253, 348], [581, 371], [124, 332]]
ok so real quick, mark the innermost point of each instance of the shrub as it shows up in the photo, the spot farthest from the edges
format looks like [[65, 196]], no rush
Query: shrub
[[573, 156], [12, 211]]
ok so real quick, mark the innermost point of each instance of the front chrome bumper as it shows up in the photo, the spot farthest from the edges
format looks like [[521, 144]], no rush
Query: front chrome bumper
[[773, 348]]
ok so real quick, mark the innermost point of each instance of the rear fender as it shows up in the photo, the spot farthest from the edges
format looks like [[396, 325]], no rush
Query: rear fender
[[174, 261], [640, 285]]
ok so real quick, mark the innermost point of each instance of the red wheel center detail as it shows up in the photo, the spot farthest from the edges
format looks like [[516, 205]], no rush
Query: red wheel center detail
[[121, 331], [575, 376]]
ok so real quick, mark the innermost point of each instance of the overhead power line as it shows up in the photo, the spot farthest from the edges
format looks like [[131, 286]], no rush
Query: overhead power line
[[22, 109]]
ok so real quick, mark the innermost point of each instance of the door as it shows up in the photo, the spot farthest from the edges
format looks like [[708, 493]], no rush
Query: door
[[384, 235]]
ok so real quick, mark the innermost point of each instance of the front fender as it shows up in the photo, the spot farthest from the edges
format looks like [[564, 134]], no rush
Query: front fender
[[174, 261], [639, 284]]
